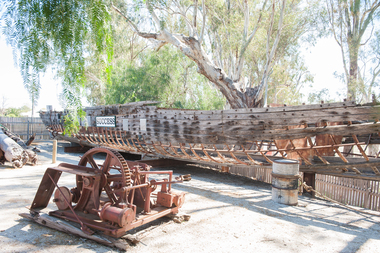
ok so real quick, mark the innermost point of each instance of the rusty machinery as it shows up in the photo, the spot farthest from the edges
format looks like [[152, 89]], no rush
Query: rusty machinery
[[112, 197]]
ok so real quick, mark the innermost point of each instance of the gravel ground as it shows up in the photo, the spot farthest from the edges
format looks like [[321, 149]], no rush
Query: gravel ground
[[228, 214]]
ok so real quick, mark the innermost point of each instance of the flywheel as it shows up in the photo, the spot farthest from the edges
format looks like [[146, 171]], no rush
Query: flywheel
[[113, 168]]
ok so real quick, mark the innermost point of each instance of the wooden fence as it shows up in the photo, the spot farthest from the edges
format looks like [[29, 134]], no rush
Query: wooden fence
[[354, 192], [26, 126], [260, 174]]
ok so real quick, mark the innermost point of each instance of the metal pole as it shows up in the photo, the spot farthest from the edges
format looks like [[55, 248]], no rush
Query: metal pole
[[27, 130]]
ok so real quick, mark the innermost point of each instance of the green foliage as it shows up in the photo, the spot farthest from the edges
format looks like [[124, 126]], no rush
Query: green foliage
[[60, 34], [13, 112], [131, 83], [72, 121], [93, 51], [166, 76], [322, 95], [287, 78]]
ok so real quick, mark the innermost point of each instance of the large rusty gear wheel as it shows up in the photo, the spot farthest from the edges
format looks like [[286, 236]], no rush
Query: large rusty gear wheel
[[114, 170]]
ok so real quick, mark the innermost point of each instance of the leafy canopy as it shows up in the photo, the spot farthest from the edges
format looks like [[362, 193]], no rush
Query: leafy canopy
[[59, 34]]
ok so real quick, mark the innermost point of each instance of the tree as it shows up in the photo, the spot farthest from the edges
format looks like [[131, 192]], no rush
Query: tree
[[217, 35], [166, 76], [370, 71], [206, 18], [16, 112], [141, 73], [353, 24], [58, 34]]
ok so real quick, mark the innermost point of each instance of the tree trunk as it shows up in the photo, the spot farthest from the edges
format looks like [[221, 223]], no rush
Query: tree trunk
[[191, 47], [13, 152], [353, 78]]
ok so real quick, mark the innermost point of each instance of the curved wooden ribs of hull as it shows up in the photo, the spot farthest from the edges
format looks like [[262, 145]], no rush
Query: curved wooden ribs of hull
[[327, 139]]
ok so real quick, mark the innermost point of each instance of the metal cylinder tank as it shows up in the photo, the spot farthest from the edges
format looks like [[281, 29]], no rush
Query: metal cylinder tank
[[285, 175]]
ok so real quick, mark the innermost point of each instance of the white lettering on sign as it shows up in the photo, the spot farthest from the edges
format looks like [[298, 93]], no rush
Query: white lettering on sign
[[106, 121], [142, 125], [125, 125]]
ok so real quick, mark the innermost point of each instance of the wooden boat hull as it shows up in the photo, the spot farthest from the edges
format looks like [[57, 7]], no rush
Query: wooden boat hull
[[325, 138]]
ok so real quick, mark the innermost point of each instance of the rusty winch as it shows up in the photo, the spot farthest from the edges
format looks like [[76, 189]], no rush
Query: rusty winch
[[114, 196]]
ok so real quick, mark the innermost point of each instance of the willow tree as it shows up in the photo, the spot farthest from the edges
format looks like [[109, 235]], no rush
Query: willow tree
[[353, 25], [57, 34]]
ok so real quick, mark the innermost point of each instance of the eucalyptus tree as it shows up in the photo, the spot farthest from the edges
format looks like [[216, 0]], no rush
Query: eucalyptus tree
[[216, 36], [354, 25], [141, 73]]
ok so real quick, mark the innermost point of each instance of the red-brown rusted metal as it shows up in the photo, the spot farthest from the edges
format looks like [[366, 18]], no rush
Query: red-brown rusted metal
[[108, 194]]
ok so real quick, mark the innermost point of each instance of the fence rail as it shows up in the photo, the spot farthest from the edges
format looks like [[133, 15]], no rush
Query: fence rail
[[350, 191], [355, 192], [26, 127]]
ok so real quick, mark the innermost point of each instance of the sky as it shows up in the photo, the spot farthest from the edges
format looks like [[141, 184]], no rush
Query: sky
[[322, 61], [12, 88]]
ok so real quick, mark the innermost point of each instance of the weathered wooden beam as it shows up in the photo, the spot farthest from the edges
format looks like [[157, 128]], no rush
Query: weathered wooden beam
[[270, 118], [64, 226], [235, 136]]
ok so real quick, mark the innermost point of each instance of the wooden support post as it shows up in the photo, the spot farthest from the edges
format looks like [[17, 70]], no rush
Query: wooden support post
[[309, 179], [54, 157]]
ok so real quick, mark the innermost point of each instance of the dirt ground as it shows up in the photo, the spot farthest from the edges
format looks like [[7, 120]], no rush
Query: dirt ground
[[228, 214]]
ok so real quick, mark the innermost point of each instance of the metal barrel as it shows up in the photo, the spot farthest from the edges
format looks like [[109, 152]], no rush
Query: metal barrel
[[285, 174]]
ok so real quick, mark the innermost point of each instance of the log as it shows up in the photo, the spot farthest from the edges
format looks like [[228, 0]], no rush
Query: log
[[13, 152], [64, 226], [31, 139], [32, 155]]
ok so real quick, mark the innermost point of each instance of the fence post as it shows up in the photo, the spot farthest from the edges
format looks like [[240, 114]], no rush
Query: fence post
[[54, 157], [27, 129], [366, 194]]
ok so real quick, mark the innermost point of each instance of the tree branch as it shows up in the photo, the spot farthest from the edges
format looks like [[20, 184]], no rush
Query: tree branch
[[203, 21], [366, 22], [245, 41], [195, 14], [273, 50]]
